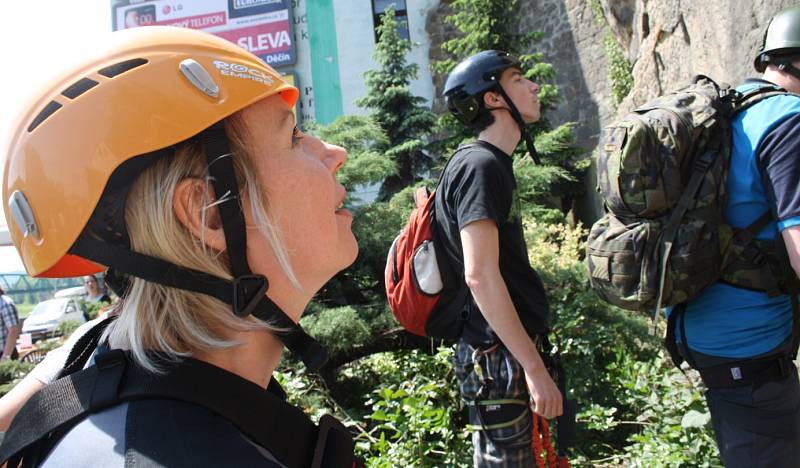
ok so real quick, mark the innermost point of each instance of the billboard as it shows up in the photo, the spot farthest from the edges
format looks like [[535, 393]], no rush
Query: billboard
[[263, 27]]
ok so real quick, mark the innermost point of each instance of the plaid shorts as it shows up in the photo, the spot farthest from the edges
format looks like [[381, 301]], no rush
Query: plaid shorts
[[500, 377]]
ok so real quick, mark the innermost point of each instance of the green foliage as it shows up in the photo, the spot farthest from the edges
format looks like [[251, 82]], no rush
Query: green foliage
[[487, 25], [66, 327], [404, 117], [11, 372], [620, 70], [337, 328], [484, 25], [51, 343], [404, 406], [92, 308], [635, 409], [674, 419], [364, 139], [414, 419]]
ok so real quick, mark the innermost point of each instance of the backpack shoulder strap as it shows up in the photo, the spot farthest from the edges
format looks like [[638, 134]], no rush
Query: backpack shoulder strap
[[756, 95], [293, 439], [461, 148], [84, 347]]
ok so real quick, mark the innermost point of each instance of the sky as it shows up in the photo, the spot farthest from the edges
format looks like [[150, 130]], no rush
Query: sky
[[35, 38]]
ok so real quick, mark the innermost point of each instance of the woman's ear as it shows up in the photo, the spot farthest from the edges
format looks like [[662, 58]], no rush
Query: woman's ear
[[190, 203]]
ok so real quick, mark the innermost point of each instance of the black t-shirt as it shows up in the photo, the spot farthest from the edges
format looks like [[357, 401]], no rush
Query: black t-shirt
[[478, 183]]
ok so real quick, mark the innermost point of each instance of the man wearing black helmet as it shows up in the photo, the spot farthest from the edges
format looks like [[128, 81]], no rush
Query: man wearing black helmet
[[498, 361], [743, 341]]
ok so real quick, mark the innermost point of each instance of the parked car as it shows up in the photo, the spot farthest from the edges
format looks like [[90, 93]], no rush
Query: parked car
[[45, 318], [78, 292]]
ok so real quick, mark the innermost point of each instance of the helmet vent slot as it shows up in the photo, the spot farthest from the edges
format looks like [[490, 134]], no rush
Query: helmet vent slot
[[121, 67], [44, 114], [79, 88]]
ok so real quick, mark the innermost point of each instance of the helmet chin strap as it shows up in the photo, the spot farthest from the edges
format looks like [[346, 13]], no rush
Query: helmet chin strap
[[788, 67], [512, 109], [246, 293]]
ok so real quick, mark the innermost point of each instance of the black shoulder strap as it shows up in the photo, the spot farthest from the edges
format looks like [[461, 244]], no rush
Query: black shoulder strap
[[84, 347], [458, 150], [284, 430], [756, 95]]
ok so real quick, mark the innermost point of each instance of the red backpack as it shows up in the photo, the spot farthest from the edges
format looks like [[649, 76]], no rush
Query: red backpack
[[425, 294]]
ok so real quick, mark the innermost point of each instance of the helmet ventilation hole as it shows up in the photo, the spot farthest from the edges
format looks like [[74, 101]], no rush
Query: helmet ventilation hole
[[79, 88], [84, 85], [121, 67], [44, 114]]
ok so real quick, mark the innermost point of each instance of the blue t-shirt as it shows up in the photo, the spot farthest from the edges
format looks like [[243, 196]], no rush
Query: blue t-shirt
[[764, 174]]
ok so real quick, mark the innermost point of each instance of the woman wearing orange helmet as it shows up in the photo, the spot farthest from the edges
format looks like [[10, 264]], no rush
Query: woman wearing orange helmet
[[172, 158]]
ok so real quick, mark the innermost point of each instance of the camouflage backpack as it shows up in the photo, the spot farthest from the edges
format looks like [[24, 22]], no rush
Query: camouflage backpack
[[662, 174]]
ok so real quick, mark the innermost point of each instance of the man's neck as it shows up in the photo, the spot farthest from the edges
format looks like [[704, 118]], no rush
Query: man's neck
[[503, 133], [784, 80]]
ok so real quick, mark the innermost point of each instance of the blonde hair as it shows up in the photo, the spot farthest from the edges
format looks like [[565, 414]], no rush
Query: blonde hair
[[173, 322]]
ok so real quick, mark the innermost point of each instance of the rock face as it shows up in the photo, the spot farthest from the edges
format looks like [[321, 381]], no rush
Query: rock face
[[667, 41]]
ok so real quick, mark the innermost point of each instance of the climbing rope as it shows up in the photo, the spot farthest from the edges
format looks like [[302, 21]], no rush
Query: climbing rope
[[542, 444]]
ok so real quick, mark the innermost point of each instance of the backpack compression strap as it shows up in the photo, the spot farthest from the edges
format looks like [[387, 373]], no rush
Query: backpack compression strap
[[285, 431]]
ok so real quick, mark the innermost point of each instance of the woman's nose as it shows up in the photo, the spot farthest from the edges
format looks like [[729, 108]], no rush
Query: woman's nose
[[335, 156]]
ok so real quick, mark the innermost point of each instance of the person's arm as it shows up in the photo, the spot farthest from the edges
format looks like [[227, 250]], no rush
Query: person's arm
[[779, 169], [13, 401], [11, 341], [481, 247], [791, 237], [43, 374]]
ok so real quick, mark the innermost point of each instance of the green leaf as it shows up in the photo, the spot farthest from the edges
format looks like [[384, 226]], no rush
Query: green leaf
[[694, 418]]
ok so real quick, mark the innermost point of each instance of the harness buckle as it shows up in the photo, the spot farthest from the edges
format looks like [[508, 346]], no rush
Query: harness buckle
[[753, 255], [111, 367]]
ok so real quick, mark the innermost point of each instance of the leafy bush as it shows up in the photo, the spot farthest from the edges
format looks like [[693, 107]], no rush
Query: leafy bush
[[675, 427], [635, 408], [417, 417], [66, 327], [338, 328], [11, 372], [92, 308]]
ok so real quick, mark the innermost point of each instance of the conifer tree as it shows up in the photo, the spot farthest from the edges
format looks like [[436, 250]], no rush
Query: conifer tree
[[404, 118]]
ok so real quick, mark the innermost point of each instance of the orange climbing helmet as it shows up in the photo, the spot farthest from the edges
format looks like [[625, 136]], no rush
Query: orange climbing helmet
[[143, 90], [84, 140]]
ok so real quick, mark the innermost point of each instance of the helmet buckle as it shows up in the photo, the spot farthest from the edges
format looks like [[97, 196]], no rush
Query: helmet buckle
[[248, 290]]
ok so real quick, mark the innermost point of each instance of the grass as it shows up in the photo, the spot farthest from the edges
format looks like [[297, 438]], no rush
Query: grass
[[24, 309]]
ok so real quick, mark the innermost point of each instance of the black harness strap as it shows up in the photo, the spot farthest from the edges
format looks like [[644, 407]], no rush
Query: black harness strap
[[168, 274], [745, 373], [220, 168], [84, 347], [282, 429], [247, 292]]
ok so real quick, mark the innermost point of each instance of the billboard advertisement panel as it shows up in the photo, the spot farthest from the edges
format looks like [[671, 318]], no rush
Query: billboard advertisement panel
[[263, 27]]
